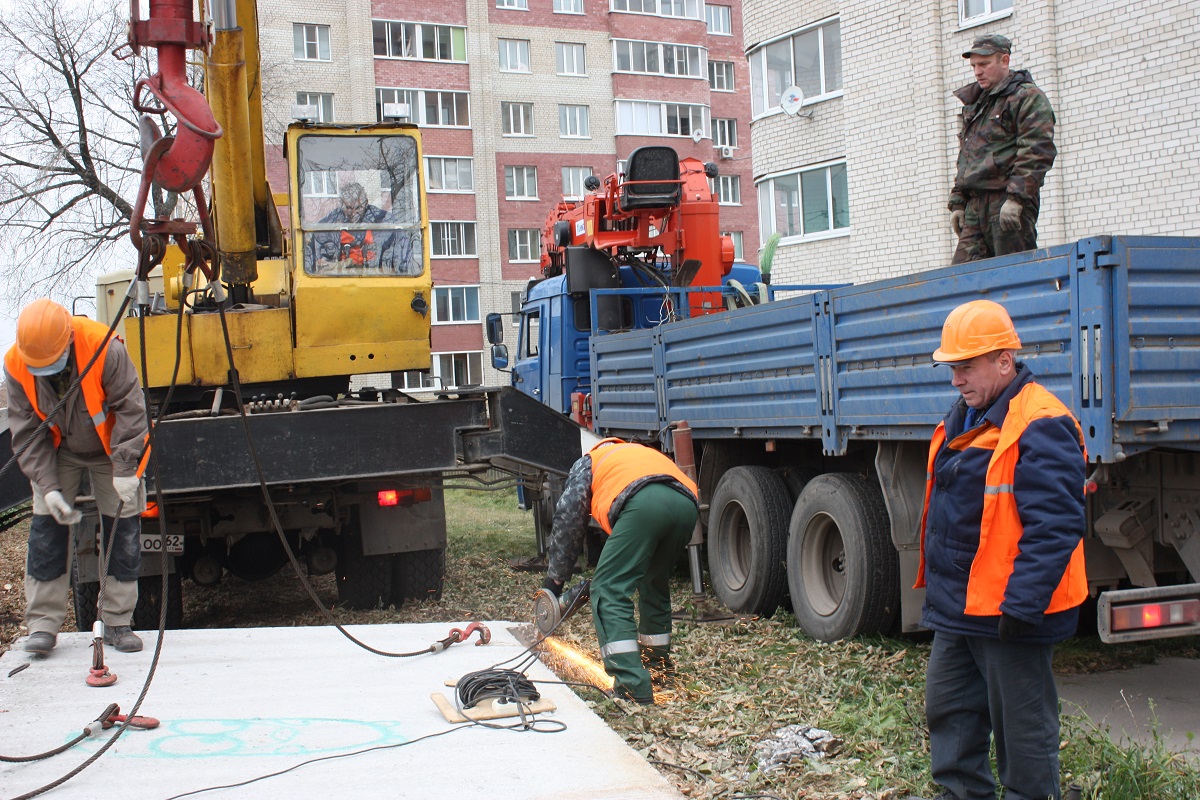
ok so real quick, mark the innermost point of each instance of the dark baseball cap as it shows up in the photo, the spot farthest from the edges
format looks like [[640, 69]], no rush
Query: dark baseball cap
[[989, 44]]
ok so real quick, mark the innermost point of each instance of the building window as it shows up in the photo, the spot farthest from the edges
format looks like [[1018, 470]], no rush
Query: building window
[[455, 304], [452, 370], [728, 189], [660, 119], [572, 182], [515, 298], [323, 102], [658, 58], [520, 5], [310, 42], [517, 119], [514, 55], [320, 183], [720, 76], [736, 238], [690, 9], [568, 6], [811, 60], [412, 379], [524, 245], [520, 183], [724, 132], [444, 174], [419, 40], [975, 12], [428, 107], [805, 203], [719, 20], [573, 122], [570, 58], [452, 239]]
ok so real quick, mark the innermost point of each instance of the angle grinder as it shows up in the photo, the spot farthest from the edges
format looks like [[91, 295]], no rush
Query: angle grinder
[[549, 611]]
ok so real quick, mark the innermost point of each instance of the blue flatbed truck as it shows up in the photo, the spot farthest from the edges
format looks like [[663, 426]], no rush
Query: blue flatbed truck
[[812, 417]]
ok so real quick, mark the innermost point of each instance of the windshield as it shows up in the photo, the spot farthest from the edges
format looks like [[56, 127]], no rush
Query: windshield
[[360, 211]]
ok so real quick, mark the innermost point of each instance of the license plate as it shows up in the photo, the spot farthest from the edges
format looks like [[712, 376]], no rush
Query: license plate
[[153, 543]]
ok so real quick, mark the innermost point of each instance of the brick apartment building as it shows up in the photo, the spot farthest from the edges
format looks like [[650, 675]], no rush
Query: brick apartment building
[[858, 183], [519, 101]]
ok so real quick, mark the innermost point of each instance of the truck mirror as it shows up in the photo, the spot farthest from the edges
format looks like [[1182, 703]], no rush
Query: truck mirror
[[499, 356], [495, 330]]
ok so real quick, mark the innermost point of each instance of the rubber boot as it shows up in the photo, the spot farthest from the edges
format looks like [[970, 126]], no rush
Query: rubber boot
[[631, 681], [660, 664]]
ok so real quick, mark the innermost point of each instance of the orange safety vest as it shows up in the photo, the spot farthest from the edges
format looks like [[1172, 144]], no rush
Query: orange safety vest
[[1000, 528], [355, 251], [616, 466], [89, 337]]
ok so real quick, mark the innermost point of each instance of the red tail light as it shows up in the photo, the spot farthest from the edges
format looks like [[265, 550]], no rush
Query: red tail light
[[404, 497], [389, 497], [1155, 615]]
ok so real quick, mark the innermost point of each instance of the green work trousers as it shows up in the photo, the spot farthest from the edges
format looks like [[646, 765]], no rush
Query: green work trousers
[[651, 533]]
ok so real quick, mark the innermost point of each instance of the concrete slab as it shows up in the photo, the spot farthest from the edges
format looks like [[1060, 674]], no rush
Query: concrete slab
[[1121, 699], [242, 703]]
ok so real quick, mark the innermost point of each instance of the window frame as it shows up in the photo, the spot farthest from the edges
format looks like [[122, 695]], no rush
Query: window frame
[[443, 159], [418, 41], [317, 28], [759, 85], [658, 6], [991, 15], [503, 50], [416, 110], [739, 244], [709, 20], [506, 119], [768, 212], [582, 177], [727, 68], [464, 225], [534, 245], [728, 185], [320, 104], [577, 7], [449, 292], [528, 178], [663, 105], [560, 50], [721, 128], [513, 5], [662, 51], [582, 118], [470, 357]]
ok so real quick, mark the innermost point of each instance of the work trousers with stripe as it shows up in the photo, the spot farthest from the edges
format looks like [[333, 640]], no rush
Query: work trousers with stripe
[[650, 535]]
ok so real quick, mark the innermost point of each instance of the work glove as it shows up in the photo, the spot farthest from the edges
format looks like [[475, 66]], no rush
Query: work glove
[[1010, 215], [1012, 629], [127, 489], [60, 509], [957, 217], [552, 586]]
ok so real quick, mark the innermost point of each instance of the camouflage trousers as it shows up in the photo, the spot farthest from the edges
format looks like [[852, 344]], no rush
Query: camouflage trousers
[[981, 235]]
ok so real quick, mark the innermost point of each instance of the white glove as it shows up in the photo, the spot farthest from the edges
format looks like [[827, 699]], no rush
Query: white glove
[[1010, 215], [127, 489], [957, 217], [60, 509]]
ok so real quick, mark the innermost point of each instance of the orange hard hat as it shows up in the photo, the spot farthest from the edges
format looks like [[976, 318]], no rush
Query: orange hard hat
[[975, 328], [43, 333]]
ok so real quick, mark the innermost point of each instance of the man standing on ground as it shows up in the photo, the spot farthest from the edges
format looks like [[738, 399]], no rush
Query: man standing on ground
[[1006, 147], [100, 430], [648, 508], [1001, 563]]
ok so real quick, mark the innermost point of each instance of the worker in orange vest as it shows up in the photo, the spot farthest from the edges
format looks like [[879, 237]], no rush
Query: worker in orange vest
[[1001, 563], [62, 432], [648, 508]]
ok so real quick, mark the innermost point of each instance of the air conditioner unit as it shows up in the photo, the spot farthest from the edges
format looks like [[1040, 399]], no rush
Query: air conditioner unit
[[726, 152]]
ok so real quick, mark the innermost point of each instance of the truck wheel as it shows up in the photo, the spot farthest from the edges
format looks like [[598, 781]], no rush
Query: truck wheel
[[149, 604], [843, 571], [364, 582], [747, 540], [418, 575], [84, 594]]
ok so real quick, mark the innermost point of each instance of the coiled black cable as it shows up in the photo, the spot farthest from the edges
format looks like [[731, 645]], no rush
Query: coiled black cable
[[506, 685]]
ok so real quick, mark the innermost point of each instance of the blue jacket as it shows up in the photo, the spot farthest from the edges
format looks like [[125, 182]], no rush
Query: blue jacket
[[1048, 487]]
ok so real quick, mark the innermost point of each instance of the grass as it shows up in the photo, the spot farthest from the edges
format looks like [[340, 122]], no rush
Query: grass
[[739, 682]]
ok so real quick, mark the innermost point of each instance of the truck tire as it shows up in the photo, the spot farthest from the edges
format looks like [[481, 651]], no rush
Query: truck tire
[[418, 575], [747, 540], [364, 582], [149, 605], [843, 572]]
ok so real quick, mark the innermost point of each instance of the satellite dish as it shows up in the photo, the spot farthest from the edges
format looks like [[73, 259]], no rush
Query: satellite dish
[[792, 100], [697, 135]]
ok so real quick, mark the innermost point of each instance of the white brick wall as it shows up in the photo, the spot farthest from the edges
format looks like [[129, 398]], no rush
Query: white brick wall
[[1121, 77]]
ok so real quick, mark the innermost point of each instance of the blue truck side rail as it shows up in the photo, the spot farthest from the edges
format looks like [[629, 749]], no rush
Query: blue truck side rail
[[1110, 324]]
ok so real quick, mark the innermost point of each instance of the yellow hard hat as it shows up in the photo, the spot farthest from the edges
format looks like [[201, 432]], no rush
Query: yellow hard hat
[[43, 333], [975, 328]]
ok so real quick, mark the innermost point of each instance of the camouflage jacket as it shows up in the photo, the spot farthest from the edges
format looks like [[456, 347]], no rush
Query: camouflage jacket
[[574, 509], [1007, 140]]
